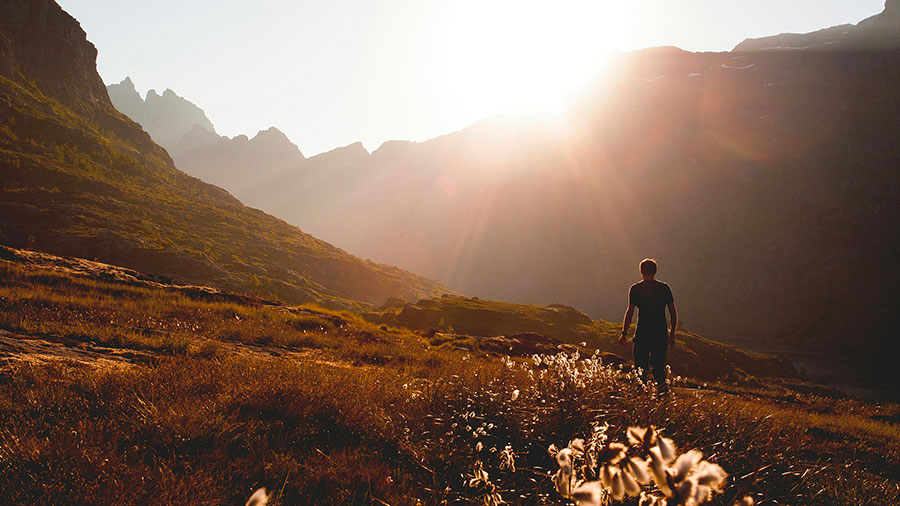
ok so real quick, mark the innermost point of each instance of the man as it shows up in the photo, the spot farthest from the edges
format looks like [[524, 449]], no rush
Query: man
[[651, 297]]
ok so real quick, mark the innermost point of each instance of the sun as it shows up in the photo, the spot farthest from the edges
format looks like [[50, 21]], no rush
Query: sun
[[489, 56]]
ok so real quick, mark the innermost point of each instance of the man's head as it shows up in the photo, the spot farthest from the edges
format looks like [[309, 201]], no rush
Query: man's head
[[648, 268]]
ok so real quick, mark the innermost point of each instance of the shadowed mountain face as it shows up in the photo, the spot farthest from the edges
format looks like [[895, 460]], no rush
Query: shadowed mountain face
[[79, 178], [878, 32], [191, 139], [765, 183], [165, 117]]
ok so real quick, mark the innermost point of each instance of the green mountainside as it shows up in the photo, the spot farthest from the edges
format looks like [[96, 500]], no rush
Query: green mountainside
[[79, 178], [463, 321]]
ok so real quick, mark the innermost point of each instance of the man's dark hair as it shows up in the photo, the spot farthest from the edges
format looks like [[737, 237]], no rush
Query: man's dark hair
[[648, 267]]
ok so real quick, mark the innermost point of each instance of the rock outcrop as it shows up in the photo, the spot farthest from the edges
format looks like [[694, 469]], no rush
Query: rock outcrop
[[80, 178], [41, 42], [880, 32], [167, 117]]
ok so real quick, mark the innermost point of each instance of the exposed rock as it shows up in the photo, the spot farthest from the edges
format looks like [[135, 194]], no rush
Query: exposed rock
[[80, 178], [823, 39], [41, 41], [880, 32]]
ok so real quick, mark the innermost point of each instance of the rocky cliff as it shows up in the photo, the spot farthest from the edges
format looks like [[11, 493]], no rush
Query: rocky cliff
[[79, 178], [43, 43]]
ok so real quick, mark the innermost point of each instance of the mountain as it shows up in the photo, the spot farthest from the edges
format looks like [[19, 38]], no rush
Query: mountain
[[763, 181], [878, 32], [469, 323], [191, 140], [79, 178], [165, 117]]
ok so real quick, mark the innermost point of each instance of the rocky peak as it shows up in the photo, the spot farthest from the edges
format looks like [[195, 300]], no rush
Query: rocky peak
[[275, 143], [127, 84], [879, 32], [345, 155], [167, 117], [40, 40], [892, 7]]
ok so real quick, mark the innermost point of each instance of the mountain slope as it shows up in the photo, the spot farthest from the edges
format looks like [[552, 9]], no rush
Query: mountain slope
[[79, 178], [763, 181], [165, 117]]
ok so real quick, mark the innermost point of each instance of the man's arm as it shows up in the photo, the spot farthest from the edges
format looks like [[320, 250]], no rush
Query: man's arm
[[628, 315], [673, 316]]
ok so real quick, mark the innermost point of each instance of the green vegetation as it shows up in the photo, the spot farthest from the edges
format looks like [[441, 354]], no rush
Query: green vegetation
[[86, 181], [325, 408], [463, 317]]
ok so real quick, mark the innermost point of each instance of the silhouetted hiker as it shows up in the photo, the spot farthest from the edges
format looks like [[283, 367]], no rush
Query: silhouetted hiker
[[651, 339]]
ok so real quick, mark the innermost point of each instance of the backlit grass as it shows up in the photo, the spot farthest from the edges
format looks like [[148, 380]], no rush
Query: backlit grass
[[324, 408]]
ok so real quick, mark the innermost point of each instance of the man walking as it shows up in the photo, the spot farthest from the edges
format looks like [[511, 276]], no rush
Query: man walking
[[651, 339]]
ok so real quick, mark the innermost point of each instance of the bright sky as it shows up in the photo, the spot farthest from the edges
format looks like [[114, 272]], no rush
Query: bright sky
[[332, 72]]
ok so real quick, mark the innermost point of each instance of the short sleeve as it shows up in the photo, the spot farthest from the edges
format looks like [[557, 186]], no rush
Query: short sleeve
[[632, 296], [668, 295]]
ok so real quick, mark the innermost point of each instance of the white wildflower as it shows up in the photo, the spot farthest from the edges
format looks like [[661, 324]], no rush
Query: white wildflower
[[666, 449], [577, 444], [685, 464], [589, 494], [638, 468], [259, 498], [508, 459]]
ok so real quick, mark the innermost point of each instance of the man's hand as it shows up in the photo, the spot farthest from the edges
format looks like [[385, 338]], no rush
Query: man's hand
[[622, 340]]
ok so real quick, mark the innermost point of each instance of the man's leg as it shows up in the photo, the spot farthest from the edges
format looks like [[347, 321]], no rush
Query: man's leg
[[658, 361], [642, 358]]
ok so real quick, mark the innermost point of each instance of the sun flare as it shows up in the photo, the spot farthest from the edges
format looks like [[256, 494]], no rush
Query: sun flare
[[502, 55]]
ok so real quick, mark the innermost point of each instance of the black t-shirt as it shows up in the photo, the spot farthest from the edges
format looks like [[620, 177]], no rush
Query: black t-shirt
[[651, 298]]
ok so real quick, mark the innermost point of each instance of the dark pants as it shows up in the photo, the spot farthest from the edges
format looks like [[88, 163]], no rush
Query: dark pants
[[651, 354]]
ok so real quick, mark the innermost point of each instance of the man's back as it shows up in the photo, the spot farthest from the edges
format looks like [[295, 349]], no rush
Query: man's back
[[651, 298]]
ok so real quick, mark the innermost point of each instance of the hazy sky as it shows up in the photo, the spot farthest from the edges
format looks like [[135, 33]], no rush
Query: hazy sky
[[332, 72]]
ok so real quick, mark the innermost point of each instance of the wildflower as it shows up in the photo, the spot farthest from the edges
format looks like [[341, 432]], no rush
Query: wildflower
[[650, 500], [508, 459], [611, 453], [479, 475], [480, 478], [515, 394], [577, 444], [564, 479], [645, 438], [638, 469], [666, 448], [259, 498], [589, 494], [690, 480]]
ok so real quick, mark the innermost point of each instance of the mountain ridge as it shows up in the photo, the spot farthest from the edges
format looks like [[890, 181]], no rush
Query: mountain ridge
[[79, 178], [878, 32]]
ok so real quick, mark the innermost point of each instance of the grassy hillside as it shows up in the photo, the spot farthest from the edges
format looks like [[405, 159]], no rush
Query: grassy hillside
[[761, 181], [692, 355], [79, 178], [119, 388]]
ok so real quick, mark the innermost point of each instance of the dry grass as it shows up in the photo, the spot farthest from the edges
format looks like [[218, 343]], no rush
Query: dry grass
[[339, 411]]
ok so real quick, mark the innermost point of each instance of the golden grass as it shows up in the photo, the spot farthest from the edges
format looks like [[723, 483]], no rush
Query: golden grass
[[340, 411]]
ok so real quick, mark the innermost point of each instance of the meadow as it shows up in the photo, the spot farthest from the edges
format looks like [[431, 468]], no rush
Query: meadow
[[151, 392]]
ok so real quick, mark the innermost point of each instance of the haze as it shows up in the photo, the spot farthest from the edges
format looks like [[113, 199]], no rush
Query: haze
[[332, 73]]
